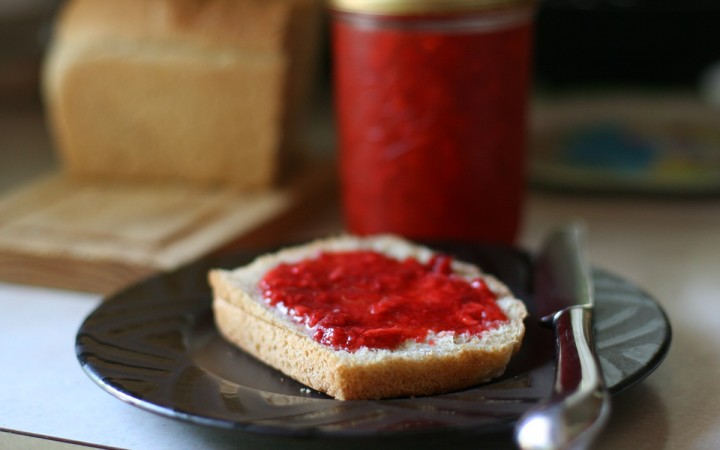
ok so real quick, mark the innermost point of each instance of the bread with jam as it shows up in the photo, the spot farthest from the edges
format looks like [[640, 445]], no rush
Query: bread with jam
[[290, 336]]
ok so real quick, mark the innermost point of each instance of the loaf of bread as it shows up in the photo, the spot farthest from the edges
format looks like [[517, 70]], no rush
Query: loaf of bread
[[442, 362], [204, 91]]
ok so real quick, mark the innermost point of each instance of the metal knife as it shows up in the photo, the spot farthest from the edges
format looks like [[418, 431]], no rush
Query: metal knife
[[579, 405]]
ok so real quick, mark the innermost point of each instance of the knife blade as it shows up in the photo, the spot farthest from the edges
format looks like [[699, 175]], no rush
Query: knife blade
[[579, 405]]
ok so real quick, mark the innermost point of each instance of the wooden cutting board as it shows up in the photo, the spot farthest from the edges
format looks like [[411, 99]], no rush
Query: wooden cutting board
[[100, 237]]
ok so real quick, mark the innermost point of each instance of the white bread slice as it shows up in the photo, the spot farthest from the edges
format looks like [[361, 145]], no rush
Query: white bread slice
[[448, 363]]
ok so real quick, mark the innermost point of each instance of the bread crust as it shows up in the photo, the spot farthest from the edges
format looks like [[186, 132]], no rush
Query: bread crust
[[447, 364], [213, 23]]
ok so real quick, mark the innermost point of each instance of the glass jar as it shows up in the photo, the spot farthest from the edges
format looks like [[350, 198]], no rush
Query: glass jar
[[431, 99]]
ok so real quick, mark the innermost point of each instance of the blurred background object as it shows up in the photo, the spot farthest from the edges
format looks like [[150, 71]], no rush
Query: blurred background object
[[24, 30], [643, 43], [627, 97], [153, 92], [183, 90], [621, 142], [25, 146], [626, 42], [639, 54]]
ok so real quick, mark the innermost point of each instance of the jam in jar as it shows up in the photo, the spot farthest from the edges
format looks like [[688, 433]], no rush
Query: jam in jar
[[431, 100]]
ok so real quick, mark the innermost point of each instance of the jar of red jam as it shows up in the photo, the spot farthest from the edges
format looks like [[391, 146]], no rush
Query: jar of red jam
[[431, 100]]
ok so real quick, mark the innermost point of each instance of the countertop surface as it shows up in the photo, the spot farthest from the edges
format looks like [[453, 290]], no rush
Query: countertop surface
[[668, 246]]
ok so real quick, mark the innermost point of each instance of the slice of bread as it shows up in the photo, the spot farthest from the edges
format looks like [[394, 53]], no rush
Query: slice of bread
[[444, 362]]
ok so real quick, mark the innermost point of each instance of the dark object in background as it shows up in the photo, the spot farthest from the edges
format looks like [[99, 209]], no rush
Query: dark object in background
[[24, 30], [628, 42]]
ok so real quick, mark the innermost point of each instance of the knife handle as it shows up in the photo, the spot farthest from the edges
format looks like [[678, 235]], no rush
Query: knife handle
[[579, 406], [579, 385]]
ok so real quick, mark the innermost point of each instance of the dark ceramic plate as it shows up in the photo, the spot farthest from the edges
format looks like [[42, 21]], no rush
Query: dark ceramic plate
[[155, 346]]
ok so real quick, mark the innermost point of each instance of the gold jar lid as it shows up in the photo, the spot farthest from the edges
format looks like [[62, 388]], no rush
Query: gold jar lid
[[423, 6]]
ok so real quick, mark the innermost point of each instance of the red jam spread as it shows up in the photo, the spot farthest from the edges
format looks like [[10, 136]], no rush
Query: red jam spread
[[355, 299], [432, 128]]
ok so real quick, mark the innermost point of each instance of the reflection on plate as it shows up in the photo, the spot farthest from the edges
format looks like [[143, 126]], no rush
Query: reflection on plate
[[155, 346]]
